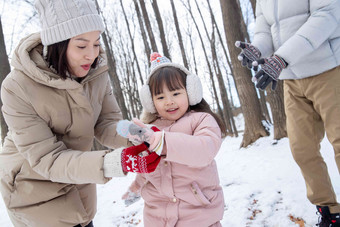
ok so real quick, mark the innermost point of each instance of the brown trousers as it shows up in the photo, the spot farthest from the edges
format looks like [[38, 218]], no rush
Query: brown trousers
[[312, 107]]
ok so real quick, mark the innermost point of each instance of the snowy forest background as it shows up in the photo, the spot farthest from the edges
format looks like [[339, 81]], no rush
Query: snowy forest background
[[262, 184]]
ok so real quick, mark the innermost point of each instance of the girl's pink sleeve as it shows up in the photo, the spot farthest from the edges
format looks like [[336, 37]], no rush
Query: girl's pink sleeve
[[195, 150]]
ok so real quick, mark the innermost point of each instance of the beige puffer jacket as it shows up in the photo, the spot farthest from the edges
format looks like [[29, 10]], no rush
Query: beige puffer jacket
[[47, 169]]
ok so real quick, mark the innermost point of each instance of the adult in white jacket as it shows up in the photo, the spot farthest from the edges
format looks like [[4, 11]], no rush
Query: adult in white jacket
[[299, 42]]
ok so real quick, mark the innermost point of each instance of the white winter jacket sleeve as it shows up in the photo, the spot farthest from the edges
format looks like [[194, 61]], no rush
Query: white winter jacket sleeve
[[263, 38]]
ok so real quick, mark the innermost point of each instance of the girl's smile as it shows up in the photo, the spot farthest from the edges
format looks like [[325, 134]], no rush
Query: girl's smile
[[172, 110]]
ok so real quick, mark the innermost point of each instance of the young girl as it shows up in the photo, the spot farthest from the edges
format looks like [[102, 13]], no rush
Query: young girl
[[184, 189]]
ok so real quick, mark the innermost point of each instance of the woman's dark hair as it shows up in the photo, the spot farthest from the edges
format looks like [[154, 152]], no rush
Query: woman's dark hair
[[56, 57], [174, 79]]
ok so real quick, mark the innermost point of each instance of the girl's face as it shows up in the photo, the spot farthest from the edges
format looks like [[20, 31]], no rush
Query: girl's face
[[81, 52], [171, 105]]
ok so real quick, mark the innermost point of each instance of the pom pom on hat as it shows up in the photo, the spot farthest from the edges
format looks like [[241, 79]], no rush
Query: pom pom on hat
[[157, 61], [154, 56]]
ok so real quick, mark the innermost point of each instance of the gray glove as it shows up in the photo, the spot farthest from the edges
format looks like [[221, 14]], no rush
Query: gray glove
[[131, 198], [271, 69], [248, 54]]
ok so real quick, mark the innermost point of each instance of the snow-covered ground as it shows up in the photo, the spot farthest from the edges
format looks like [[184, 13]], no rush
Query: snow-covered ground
[[262, 186]]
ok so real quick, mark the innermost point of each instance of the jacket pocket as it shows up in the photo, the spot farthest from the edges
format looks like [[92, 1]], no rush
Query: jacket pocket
[[198, 194]]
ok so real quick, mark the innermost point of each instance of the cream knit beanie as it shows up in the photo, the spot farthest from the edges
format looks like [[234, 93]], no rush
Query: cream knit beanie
[[64, 19]]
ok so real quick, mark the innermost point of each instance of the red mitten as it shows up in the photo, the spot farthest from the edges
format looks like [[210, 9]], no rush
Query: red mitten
[[132, 162]]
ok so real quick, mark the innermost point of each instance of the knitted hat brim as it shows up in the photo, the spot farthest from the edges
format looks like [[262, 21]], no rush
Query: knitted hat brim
[[168, 64], [71, 28]]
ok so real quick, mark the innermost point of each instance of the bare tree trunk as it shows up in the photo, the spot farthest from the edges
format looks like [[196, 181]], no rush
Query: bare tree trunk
[[243, 24], [250, 104], [219, 35], [229, 88], [228, 118], [148, 26], [220, 112], [4, 70], [229, 65], [179, 35], [253, 5], [275, 99], [111, 62], [264, 107], [263, 103], [129, 82], [114, 77], [262, 95], [132, 43], [142, 30], [130, 89], [133, 87], [193, 52], [219, 75], [161, 29]]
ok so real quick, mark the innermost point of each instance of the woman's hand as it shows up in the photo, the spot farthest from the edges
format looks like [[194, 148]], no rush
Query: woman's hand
[[133, 162]]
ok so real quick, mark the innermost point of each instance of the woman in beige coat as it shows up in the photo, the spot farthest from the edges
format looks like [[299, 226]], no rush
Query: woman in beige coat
[[56, 100]]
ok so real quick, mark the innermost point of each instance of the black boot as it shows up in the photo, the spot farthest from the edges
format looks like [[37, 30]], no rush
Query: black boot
[[327, 219]]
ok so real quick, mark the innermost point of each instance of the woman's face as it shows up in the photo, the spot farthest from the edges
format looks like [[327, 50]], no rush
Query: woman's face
[[171, 105], [81, 52]]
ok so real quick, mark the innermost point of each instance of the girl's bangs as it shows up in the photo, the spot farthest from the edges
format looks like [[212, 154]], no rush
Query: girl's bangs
[[173, 78]]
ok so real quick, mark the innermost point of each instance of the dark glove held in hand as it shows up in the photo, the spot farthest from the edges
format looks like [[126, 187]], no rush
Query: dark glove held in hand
[[270, 71], [248, 54]]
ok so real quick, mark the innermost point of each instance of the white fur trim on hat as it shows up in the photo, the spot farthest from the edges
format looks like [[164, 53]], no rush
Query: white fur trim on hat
[[168, 64], [146, 99], [64, 19], [194, 89]]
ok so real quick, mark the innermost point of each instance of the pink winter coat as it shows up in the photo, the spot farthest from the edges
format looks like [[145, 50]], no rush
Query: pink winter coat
[[184, 190]]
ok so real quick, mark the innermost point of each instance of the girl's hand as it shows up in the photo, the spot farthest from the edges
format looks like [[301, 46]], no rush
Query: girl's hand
[[138, 132], [130, 197], [133, 194]]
